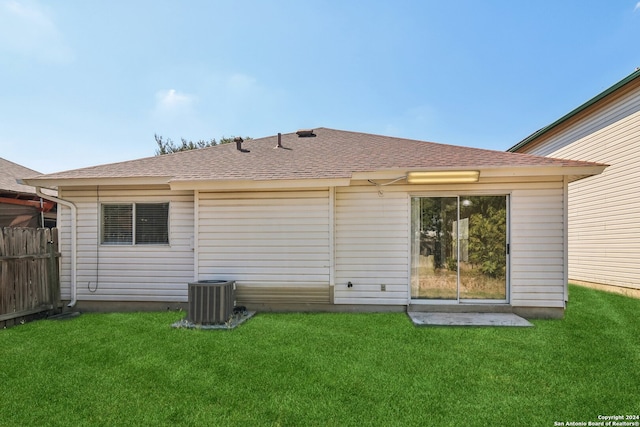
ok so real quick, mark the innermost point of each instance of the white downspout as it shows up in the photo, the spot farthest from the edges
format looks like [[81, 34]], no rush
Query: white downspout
[[74, 233]]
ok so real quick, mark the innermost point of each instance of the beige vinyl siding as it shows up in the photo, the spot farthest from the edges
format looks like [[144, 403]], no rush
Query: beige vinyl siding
[[607, 124], [537, 246], [281, 246], [276, 240], [604, 232], [150, 273], [372, 246], [372, 241]]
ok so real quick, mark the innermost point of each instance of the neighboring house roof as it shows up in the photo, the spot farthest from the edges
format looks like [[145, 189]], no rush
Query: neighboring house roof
[[19, 203], [595, 100], [9, 172], [328, 154]]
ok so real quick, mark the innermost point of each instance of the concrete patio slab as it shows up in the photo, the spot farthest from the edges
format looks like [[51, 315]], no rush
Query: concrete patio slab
[[467, 319]]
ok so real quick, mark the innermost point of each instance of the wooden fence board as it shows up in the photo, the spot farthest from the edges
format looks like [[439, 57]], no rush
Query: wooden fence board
[[29, 272]]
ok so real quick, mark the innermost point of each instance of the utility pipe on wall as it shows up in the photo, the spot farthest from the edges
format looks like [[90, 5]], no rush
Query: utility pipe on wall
[[74, 233]]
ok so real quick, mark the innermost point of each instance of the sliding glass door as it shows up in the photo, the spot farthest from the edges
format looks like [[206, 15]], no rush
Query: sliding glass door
[[459, 248], [434, 254]]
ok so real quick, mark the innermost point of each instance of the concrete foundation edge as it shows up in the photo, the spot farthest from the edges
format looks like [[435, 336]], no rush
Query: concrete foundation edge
[[622, 290], [132, 306], [539, 312]]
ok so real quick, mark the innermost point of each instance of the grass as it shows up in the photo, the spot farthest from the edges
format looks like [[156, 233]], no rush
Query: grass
[[323, 369]]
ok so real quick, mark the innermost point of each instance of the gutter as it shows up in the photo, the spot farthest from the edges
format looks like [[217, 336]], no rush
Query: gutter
[[74, 234], [38, 204]]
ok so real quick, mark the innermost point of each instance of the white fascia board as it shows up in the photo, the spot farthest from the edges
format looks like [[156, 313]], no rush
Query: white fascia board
[[572, 171], [274, 184], [80, 182], [386, 174]]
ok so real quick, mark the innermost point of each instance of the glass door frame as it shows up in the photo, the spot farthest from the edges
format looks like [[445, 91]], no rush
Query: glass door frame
[[458, 300]]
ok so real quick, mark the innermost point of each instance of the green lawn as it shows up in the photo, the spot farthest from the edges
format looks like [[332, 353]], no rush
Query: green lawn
[[323, 369]]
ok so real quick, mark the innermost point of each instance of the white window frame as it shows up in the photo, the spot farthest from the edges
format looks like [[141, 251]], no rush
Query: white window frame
[[457, 194]]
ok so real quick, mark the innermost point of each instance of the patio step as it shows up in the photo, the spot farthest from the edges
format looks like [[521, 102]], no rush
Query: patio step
[[467, 319], [460, 308]]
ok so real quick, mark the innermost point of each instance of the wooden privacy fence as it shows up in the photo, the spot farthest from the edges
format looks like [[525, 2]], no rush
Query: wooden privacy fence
[[29, 272]]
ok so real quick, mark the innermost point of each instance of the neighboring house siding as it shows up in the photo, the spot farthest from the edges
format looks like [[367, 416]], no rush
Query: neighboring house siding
[[604, 233], [372, 246], [154, 273], [274, 244]]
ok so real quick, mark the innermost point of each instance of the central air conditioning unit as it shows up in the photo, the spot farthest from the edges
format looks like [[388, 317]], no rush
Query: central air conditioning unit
[[211, 302]]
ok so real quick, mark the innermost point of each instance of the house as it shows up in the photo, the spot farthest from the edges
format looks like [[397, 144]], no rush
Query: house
[[604, 235], [19, 204], [321, 220]]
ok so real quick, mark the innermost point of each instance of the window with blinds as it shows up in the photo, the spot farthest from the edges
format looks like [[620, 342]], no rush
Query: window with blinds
[[117, 225], [152, 221], [135, 224]]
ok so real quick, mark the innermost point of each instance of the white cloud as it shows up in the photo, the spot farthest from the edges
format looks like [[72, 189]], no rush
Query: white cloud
[[172, 101], [28, 29], [174, 114], [637, 7]]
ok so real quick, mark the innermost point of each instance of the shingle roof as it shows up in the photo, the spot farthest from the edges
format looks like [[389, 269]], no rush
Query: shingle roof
[[9, 172], [330, 154]]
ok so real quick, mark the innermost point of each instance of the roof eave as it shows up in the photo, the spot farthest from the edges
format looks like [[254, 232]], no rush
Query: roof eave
[[83, 182], [587, 169], [573, 172], [576, 111], [245, 184]]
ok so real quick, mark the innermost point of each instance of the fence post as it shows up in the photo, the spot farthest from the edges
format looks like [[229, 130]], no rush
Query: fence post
[[53, 270]]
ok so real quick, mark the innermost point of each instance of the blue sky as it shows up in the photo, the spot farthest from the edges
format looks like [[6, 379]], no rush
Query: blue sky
[[85, 83]]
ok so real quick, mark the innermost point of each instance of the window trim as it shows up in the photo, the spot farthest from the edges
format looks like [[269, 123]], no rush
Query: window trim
[[134, 218]]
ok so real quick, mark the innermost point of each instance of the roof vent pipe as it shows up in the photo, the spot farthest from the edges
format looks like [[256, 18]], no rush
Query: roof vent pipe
[[279, 140], [238, 140]]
